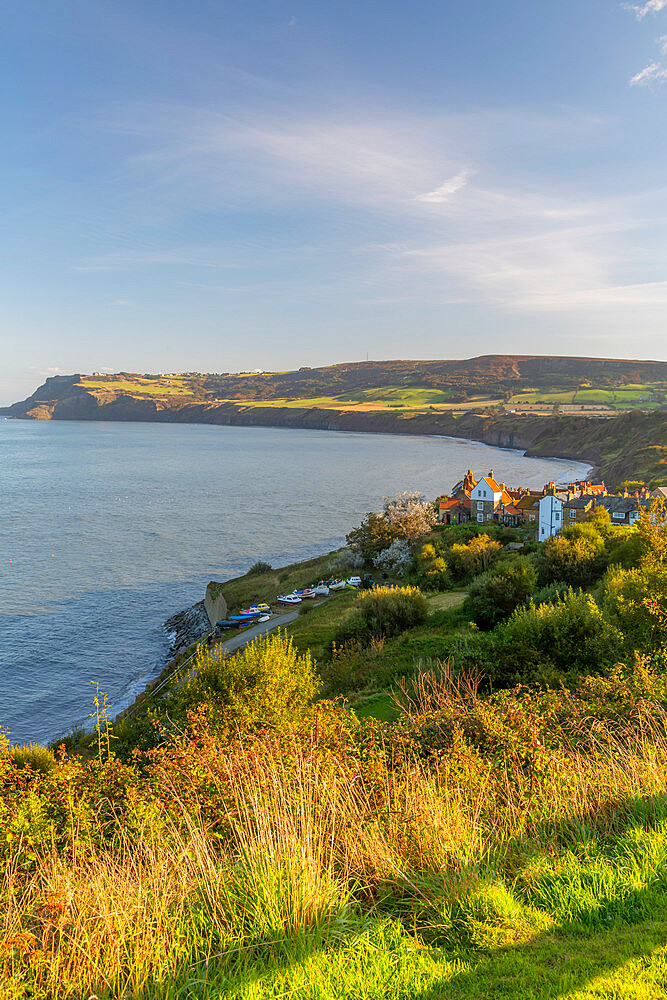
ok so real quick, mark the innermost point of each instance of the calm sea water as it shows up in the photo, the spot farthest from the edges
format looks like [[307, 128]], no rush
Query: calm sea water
[[108, 529]]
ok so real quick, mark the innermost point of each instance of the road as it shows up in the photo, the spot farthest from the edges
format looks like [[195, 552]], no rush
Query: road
[[248, 634]]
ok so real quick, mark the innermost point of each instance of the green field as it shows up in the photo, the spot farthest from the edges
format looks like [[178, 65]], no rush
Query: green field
[[142, 387]]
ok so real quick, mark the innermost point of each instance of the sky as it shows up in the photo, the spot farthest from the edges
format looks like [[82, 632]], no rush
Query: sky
[[218, 186]]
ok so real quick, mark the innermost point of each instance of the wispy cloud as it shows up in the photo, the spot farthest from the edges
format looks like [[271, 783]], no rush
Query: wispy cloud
[[521, 242], [653, 73], [649, 7], [445, 191]]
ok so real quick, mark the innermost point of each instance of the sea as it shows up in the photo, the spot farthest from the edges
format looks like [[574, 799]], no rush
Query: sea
[[108, 529]]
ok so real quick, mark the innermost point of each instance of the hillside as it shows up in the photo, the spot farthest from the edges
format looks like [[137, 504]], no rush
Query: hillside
[[609, 412]]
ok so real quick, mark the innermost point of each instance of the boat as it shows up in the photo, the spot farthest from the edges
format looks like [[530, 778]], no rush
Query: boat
[[354, 581], [226, 623], [305, 593], [321, 590], [257, 609], [288, 599], [245, 618], [337, 585], [264, 618]]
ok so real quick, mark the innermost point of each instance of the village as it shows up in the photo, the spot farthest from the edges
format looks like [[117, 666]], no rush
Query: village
[[550, 510]]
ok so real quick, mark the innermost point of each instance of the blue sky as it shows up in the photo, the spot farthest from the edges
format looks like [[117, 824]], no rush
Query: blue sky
[[219, 186]]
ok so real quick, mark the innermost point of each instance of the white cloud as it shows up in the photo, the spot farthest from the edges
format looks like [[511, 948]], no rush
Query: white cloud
[[649, 7], [653, 73], [446, 190], [662, 42]]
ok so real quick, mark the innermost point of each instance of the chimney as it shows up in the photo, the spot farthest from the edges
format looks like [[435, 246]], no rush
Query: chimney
[[491, 474]]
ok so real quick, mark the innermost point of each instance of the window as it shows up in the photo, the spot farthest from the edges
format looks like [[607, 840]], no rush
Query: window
[[556, 516], [618, 517], [480, 517], [480, 506], [572, 512]]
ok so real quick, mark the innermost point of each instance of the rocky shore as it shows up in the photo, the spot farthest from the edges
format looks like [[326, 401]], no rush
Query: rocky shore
[[187, 626]]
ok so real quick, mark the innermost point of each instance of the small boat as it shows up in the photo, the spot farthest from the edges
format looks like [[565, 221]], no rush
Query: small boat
[[354, 581], [245, 618], [226, 623], [257, 609], [321, 590], [265, 618], [337, 585], [289, 599]]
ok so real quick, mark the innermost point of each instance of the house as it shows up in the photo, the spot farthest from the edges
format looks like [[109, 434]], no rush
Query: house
[[572, 504], [456, 510], [486, 498], [550, 513], [660, 493], [577, 508], [528, 506], [623, 510]]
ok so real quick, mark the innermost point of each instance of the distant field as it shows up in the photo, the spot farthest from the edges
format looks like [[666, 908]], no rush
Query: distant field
[[411, 399], [144, 387]]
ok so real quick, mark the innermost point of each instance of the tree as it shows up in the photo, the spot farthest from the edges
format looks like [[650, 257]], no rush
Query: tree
[[409, 514], [373, 535]]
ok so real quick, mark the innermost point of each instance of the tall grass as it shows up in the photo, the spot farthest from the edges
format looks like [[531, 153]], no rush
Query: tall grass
[[216, 853]]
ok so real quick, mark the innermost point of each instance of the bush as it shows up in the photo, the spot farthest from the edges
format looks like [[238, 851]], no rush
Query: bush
[[636, 601], [382, 612], [386, 611], [259, 567], [477, 556], [550, 594], [494, 595], [430, 567], [33, 756], [347, 560], [395, 559], [563, 640], [576, 556], [267, 685]]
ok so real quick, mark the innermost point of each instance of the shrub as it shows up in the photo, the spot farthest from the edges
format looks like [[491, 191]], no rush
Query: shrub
[[386, 611], [576, 556], [267, 685], [636, 601], [477, 556], [561, 640], [259, 567], [33, 756], [395, 559], [550, 594], [382, 612], [494, 595], [430, 567], [348, 559]]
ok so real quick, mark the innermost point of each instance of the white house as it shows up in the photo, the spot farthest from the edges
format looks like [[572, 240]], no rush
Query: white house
[[484, 499], [551, 515]]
